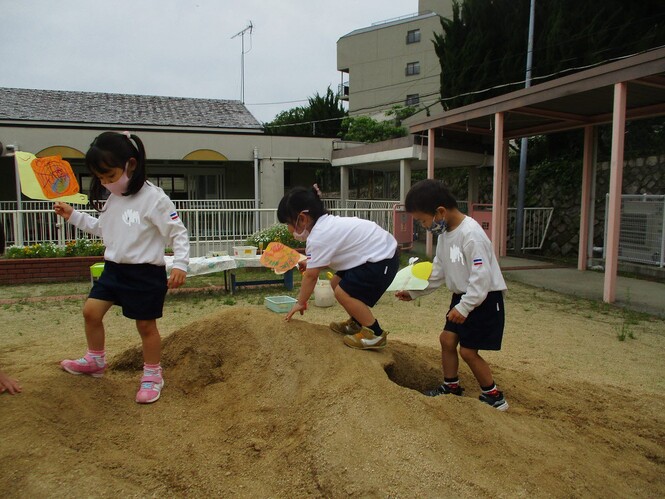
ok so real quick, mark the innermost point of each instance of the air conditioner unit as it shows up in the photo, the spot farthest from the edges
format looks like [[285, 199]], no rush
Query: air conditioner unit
[[641, 232]]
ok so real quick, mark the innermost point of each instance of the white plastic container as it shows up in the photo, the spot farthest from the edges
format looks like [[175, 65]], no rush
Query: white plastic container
[[244, 251], [324, 296]]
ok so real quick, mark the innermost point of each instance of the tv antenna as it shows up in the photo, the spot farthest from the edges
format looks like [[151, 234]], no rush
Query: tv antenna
[[241, 34]]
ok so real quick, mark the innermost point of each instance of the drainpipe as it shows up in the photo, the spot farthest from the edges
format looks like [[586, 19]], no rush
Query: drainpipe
[[521, 181], [18, 223], [257, 195]]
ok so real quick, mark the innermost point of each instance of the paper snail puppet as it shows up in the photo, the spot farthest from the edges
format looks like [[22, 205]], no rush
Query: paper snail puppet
[[48, 178], [412, 277], [280, 257]]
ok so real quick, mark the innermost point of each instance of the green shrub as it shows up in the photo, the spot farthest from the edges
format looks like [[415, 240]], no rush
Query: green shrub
[[80, 247], [277, 232], [84, 247], [45, 250]]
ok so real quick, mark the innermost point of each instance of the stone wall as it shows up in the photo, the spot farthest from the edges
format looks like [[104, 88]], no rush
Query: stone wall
[[562, 191]]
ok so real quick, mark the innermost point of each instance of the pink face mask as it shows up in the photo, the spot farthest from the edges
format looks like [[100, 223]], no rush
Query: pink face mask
[[303, 234], [119, 187]]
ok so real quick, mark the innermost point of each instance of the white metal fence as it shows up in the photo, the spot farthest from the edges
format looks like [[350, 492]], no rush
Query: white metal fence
[[218, 225], [213, 225], [642, 229], [534, 227]]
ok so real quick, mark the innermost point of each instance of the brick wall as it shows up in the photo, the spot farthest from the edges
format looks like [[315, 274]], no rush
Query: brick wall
[[39, 270]]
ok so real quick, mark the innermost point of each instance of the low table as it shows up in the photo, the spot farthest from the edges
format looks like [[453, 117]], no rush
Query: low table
[[228, 264], [254, 262]]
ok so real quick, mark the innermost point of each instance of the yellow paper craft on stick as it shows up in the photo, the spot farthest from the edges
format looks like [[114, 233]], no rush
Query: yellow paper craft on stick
[[280, 257], [48, 178], [412, 277]]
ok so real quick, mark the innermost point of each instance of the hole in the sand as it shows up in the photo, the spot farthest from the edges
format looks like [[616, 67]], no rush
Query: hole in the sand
[[415, 368]]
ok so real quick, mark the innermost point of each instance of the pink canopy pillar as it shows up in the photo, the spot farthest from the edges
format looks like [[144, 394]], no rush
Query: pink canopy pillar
[[616, 178], [430, 174], [586, 207], [499, 192]]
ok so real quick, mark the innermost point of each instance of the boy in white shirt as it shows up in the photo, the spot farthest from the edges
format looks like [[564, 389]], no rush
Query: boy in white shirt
[[465, 261]]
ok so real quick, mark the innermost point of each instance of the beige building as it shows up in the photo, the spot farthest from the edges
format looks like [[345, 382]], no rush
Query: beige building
[[393, 62], [197, 149]]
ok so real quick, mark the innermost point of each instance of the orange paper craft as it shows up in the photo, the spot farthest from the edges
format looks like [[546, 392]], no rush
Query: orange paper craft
[[55, 176], [280, 257]]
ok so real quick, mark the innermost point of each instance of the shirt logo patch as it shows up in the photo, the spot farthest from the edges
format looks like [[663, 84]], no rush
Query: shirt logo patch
[[477, 262], [131, 217], [456, 255], [174, 216]]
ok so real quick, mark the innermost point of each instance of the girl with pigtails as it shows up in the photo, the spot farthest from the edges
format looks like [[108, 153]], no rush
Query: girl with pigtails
[[137, 222]]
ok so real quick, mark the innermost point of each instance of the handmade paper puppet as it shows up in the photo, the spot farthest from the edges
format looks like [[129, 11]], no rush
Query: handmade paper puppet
[[47, 178], [412, 277], [280, 257]]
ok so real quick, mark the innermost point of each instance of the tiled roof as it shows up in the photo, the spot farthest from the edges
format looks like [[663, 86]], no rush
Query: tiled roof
[[22, 104]]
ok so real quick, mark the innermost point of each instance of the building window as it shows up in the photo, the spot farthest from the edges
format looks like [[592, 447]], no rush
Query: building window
[[412, 99], [412, 68], [413, 36]]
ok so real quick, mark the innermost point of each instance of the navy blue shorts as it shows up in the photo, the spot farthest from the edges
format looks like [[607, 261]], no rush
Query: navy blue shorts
[[483, 328], [139, 289], [368, 282]]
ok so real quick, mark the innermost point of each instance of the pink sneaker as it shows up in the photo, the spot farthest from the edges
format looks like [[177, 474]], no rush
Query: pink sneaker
[[151, 386], [84, 365]]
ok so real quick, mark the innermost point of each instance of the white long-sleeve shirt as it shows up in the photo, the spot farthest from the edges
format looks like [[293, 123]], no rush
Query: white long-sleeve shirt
[[137, 228], [465, 261], [343, 243]]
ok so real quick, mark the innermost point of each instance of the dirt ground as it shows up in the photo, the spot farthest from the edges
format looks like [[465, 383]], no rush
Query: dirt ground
[[256, 407]]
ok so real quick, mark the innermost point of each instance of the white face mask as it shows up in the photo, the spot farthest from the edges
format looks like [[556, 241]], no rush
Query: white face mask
[[303, 234], [119, 187]]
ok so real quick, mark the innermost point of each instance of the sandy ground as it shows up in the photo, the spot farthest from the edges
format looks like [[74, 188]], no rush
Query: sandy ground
[[255, 407]]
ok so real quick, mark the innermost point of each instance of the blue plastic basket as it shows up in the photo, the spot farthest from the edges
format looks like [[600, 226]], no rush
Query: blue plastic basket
[[279, 304]]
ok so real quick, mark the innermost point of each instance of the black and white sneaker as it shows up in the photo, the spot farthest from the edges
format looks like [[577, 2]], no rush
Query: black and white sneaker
[[497, 401], [444, 390]]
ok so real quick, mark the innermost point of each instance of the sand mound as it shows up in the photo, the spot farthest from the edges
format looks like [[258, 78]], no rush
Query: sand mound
[[257, 407]]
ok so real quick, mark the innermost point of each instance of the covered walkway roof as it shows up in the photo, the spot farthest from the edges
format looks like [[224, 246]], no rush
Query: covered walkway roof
[[630, 88], [573, 101]]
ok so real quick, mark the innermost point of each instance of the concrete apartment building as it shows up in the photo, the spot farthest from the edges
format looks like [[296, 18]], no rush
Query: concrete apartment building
[[393, 62]]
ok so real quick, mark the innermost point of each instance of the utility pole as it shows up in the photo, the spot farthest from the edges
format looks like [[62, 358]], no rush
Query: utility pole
[[521, 185], [241, 34]]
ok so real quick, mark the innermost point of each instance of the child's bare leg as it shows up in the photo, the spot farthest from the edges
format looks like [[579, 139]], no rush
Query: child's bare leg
[[335, 281], [354, 307], [481, 370], [449, 358], [93, 315], [152, 343]]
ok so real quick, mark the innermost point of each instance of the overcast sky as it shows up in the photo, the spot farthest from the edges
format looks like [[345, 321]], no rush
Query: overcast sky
[[184, 48]]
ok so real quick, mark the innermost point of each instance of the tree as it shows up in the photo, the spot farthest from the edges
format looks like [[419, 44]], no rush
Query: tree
[[366, 129], [484, 45], [321, 118]]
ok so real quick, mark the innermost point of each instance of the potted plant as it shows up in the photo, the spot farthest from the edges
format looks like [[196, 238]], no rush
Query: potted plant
[[277, 232]]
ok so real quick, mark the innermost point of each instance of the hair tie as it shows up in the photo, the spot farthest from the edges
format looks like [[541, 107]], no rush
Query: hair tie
[[317, 190], [127, 134]]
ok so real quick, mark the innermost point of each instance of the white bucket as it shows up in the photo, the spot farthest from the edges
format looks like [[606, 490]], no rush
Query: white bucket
[[323, 294]]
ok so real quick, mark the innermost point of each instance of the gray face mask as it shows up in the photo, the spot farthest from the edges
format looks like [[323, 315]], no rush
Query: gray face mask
[[438, 227]]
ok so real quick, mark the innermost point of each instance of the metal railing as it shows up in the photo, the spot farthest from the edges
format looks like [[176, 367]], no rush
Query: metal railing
[[218, 225], [213, 225], [534, 227]]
